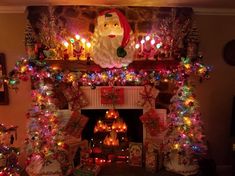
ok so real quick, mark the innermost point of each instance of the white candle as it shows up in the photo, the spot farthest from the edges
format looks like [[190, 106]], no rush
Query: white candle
[[88, 46], [70, 50], [142, 45]]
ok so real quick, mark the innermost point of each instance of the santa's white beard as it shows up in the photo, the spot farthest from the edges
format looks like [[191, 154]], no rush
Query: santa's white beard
[[105, 52]]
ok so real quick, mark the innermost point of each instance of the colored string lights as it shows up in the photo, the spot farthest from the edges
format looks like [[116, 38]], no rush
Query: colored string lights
[[26, 68]]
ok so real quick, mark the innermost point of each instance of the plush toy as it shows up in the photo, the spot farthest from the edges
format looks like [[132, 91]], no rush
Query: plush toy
[[111, 41]]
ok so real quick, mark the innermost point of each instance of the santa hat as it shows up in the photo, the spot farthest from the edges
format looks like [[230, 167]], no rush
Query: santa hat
[[126, 30]]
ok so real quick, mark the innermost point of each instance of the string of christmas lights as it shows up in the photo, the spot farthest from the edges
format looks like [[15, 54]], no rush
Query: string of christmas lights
[[46, 138], [185, 127], [9, 165], [36, 69]]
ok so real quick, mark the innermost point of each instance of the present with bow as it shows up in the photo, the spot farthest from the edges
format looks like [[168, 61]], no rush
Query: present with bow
[[40, 166], [76, 124], [152, 122], [76, 98], [153, 156], [111, 95], [148, 97]]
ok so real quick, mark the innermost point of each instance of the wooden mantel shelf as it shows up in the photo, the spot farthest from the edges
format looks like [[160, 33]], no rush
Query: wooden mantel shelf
[[78, 65]]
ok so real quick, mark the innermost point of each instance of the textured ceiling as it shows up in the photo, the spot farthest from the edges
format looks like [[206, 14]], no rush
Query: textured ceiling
[[168, 3]]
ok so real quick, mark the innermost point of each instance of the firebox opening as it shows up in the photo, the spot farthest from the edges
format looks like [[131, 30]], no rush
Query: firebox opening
[[129, 116]]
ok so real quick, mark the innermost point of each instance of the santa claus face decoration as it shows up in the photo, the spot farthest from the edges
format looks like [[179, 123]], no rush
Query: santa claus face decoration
[[109, 25], [112, 45]]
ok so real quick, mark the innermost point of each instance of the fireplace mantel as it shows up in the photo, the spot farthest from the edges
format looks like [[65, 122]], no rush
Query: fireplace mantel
[[131, 98]]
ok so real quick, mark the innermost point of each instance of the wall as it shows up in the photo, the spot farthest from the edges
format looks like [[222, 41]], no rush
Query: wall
[[215, 96], [12, 45]]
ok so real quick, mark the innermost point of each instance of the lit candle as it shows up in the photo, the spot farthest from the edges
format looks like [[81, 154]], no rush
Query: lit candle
[[66, 44], [142, 45], [83, 41], [77, 37], [70, 50], [147, 38], [152, 42], [137, 46], [88, 46]]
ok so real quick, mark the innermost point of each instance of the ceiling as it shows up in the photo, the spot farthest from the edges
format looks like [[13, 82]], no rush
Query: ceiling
[[218, 4]]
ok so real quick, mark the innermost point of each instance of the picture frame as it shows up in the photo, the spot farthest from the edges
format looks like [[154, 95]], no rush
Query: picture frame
[[4, 94], [135, 154]]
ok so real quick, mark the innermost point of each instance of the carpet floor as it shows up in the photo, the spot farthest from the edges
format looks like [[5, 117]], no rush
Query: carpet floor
[[126, 170]]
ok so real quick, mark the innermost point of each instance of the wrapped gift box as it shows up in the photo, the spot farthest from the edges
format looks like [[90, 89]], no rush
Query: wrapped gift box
[[150, 162], [73, 144], [84, 156], [38, 167], [76, 124], [153, 156], [87, 170], [111, 95]]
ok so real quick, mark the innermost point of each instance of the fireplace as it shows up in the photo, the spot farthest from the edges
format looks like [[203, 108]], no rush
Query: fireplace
[[129, 116], [130, 112], [109, 136]]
